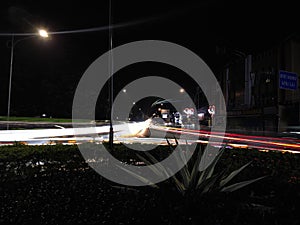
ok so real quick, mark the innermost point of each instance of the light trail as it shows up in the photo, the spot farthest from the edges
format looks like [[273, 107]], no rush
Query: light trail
[[242, 141], [131, 132], [238, 135]]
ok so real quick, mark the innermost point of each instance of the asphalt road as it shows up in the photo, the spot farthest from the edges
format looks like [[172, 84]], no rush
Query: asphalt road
[[142, 132], [42, 125]]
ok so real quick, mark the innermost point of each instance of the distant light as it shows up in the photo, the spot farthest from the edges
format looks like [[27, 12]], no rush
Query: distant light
[[43, 33], [181, 90], [133, 103], [124, 90]]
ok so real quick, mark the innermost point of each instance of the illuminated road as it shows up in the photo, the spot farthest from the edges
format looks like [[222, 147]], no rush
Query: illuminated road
[[239, 140], [145, 132], [69, 135]]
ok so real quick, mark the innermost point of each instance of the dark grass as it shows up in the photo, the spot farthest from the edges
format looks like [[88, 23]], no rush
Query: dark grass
[[36, 119]]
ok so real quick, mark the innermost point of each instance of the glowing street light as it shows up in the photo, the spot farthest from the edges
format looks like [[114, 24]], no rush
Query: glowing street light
[[42, 33], [181, 90]]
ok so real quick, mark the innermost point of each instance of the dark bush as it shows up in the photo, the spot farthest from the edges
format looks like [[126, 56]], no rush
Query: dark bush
[[54, 185]]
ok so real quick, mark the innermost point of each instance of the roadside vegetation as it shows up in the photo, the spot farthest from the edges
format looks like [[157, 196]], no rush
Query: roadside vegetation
[[55, 185], [36, 119]]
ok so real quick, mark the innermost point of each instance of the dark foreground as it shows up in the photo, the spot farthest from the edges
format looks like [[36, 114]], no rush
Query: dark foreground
[[63, 189]]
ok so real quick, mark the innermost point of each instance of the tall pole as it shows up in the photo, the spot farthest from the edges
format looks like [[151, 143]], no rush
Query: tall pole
[[110, 60], [10, 79], [43, 34]]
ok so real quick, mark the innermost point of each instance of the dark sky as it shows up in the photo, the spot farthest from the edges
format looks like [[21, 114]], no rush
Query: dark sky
[[48, 71], [197, 24]]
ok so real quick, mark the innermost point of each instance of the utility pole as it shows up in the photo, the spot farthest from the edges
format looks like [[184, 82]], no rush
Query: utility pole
[[110, 70]]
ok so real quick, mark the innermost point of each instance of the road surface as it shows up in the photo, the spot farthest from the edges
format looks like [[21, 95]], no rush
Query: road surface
[[145, 132]]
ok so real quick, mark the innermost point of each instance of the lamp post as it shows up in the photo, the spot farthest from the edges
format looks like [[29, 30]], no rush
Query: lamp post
[[42, 33], [110, 62]]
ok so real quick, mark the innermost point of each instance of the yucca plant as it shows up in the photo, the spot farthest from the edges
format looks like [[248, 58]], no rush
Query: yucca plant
[[190, 178]]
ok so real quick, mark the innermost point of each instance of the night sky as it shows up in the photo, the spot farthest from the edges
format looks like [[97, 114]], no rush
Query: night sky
[[46, 72]]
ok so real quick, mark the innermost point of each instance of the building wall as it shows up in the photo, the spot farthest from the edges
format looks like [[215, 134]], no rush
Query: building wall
[[290, 99], [264, 68], [270, 108], [235, 86]]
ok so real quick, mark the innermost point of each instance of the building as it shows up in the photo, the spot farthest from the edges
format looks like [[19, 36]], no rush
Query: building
[[262, 89]]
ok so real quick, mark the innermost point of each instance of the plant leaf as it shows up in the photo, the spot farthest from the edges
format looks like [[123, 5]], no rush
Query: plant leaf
[[208, 172], [157, 164], [184, 171], [200, 179], [153, 167], [211, 167], [239, 185], [186, 177], [208, 183], [139, 177], [195, 168], [232, 175], [180, 186]]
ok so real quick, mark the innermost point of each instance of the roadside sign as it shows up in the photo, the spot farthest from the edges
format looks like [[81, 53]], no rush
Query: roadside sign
[[288, 80]]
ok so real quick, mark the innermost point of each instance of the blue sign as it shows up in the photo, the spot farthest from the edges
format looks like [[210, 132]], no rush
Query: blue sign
[[288, 80]]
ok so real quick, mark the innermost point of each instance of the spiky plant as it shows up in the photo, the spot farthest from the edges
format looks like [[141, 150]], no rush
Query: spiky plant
[[190, 178]]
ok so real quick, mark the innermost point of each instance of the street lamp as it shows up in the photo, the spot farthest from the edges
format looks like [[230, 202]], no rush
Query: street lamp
[[110, 70], [42, 33]]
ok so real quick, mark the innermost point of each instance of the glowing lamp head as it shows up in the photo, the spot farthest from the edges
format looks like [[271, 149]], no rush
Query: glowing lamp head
[[43, 33]]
